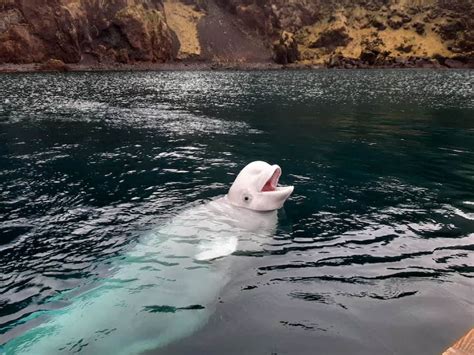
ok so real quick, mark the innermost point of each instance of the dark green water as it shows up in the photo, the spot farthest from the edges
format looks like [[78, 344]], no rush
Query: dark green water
[[373, 253]]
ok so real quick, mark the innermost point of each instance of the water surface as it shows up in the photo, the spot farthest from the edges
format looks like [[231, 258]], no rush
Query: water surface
[[373, 252]]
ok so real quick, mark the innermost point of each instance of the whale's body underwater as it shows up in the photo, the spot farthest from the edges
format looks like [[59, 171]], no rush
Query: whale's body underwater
[[167, 285]]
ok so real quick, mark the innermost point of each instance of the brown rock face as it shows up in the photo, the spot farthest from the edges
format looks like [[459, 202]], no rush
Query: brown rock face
[[286, 50], [419, 28], [270, 17], [332, 39], [145, 32], [453, 63], [54, 65], [72, 30], [411, 30], [19, 46]]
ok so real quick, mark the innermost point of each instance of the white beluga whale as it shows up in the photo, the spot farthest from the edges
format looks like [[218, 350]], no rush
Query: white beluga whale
[[167, 285], [256, 188]]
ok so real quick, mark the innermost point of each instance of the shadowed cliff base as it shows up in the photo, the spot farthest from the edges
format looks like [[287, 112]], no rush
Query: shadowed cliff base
[[197, 65]]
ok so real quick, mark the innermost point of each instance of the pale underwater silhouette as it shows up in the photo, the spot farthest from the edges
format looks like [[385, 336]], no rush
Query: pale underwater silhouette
[[167, 285]]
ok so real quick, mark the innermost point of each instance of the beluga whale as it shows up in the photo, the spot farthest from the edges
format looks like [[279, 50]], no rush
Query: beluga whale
[[167, 285]]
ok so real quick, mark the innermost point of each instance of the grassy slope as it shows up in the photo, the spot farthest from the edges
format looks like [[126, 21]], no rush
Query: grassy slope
[[356, 25], [183, 20]]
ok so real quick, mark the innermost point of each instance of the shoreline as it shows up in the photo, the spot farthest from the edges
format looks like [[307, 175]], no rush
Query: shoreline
[[206, 66], [139, 66]]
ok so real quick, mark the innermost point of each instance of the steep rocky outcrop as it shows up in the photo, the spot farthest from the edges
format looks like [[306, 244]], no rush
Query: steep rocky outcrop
[[342, 33], [81, 30], [286, 49], [334, 33]]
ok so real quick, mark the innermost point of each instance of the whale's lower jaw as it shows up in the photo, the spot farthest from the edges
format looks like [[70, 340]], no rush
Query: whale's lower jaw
[[277, 198]]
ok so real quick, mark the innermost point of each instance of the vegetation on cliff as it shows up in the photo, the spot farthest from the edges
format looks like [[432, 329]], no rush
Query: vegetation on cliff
[[367, 32]]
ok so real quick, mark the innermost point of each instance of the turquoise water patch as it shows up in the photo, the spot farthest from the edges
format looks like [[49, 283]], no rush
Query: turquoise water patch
[[373, 252]]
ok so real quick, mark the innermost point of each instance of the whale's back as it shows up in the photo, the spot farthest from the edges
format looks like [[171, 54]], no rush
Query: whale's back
[[163, 289]]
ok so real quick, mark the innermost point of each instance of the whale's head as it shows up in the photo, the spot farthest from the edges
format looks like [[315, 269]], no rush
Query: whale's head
[[256, 188]]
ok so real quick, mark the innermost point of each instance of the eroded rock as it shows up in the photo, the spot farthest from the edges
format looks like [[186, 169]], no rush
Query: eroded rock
[[419, 27], [404, 48], [453, 63], [331, 39], [286, 50], [54, 65], [35, 30]]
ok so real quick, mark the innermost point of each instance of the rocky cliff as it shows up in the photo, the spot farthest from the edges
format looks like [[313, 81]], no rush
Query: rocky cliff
[[84, 30], [363, 33], [337, 33]]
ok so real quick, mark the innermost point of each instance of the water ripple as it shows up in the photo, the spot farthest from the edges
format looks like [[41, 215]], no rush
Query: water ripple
[[381, 224]]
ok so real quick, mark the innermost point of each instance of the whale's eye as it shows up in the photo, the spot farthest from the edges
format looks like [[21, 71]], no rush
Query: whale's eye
[[247, 198]]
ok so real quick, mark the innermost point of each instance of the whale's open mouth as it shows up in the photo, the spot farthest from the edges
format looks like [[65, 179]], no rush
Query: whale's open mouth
[[256, 188], [272, 182]]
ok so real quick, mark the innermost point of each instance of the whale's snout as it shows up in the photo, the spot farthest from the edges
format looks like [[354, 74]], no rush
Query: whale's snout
[[256, 188]]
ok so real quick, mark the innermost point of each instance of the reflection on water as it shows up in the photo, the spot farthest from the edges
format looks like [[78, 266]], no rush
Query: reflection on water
[[374, 251]]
